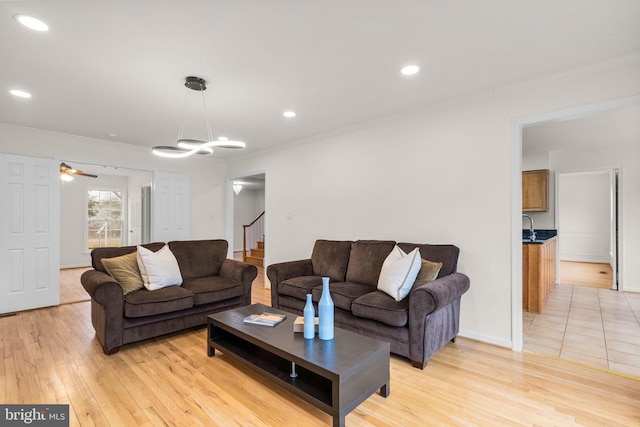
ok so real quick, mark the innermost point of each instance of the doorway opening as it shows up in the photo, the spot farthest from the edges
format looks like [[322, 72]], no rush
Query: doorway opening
[[105, 211], [245, 230], [579, 323], [587, 222]]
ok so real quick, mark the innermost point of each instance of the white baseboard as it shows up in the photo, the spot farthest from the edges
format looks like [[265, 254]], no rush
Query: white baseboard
[[487, 339], [62, 267]]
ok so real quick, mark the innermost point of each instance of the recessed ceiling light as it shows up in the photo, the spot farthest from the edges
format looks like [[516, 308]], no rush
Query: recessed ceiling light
[[20, 93], [31, 22], [112, 135], [223, 138], [289, 114], [410, 70]]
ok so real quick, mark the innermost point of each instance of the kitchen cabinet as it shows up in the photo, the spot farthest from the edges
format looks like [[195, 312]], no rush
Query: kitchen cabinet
[[535, 190], [538, 273]]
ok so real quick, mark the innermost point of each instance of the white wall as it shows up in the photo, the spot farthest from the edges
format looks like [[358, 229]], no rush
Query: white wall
[[441, 175], [584, 215], [207, 213]]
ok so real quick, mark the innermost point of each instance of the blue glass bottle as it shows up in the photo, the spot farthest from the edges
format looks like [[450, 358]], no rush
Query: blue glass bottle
[[309, 319], [325, 312]]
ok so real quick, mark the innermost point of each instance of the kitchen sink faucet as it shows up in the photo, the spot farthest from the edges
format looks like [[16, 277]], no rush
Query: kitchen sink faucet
[[532, 234]]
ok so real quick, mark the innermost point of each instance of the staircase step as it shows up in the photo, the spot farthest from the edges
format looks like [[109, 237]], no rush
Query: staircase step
[[258, 262], [259, 253], [260, 245]]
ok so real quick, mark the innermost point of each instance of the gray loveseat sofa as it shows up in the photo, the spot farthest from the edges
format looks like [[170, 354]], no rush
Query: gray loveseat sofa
[[416, 327], [211, 283]]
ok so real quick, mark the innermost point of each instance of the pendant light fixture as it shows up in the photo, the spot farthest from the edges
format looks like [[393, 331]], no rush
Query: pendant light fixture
[[185, 147]]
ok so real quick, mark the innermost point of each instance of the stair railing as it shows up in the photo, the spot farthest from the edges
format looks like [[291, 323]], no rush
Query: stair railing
[[253, 233]]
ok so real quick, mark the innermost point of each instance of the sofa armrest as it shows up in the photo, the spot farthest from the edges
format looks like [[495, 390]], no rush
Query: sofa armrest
[[101, 287], [107, 308], [427, 298], [286, 270], [242, 272], [434, 316]]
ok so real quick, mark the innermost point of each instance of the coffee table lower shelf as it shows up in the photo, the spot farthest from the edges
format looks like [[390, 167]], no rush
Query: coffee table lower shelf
[[334, 393], [316, 389]]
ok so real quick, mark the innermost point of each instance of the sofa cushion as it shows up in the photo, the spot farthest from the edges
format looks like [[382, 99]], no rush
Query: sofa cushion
[[429, 271], [199, 258], [125, 270], [342, 293], [365, 260], [98, 254], [330, 259], [212, 289], [381, 307], [399, 272], [446, 254], [299, 287], [158, 269], [148, 303]]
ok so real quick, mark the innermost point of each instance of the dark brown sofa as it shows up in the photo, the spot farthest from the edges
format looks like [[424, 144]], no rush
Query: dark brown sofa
[[416, 327], [211, 283]]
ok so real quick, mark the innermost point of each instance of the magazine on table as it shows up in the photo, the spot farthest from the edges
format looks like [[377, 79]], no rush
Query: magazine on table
[[265, 319]]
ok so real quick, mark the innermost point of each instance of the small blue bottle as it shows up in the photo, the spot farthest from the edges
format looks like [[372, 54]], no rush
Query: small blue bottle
[[309, 319], [325, 312]]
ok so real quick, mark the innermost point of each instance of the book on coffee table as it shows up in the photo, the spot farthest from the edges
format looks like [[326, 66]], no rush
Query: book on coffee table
[[298, 324], [265, 319]]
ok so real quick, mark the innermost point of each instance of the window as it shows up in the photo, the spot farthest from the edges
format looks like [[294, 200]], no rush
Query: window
[[104, 213]]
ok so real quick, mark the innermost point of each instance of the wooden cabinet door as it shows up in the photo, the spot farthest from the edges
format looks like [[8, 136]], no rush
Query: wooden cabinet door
[[535, 191]]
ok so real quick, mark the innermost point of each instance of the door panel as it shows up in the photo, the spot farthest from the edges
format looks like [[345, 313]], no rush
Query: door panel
[[29, 227], [135, 218], [170, 201]]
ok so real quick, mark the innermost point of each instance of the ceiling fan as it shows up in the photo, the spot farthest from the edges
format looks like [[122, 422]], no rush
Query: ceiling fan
[[67, 172]]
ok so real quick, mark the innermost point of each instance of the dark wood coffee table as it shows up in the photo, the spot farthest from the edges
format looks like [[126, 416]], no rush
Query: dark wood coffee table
[[334, 376]]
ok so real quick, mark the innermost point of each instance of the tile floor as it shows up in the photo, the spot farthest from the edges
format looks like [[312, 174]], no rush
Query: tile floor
[[597, 327]]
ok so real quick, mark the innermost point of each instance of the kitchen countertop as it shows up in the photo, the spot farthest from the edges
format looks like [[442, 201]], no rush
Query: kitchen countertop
[[541, 236]]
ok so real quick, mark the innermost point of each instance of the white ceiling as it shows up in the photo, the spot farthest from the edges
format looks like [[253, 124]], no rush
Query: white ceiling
[[118, 66]]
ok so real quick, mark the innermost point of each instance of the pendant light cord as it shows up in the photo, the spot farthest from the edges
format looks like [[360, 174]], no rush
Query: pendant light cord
[[206, 118], [184, 114]]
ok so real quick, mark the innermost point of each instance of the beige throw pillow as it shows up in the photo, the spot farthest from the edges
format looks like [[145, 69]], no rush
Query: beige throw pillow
[[125, 270], [428, 272], [158, 269], [398, 273]]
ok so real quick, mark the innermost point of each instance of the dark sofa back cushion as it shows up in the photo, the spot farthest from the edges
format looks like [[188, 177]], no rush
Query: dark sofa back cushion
[[330, 258], [111, 252], [199, 258], [446, 254], [365, 260]]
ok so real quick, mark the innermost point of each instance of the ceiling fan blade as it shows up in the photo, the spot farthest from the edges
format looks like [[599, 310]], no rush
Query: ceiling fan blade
[[68, 170], [85, 174]]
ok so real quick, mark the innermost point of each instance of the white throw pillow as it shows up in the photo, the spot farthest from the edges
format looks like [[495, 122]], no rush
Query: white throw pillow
[[399, 271], [158, 269]]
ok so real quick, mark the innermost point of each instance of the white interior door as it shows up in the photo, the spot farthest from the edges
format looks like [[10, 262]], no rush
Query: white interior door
[[170, 201], [135, 218], [29, 227]]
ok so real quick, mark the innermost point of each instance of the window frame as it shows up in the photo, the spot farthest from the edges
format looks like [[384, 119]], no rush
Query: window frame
[[123, 232]]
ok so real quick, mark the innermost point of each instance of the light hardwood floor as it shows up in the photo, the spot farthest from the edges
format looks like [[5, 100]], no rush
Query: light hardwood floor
[[71, 290], [52, 356], [587, 274]]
